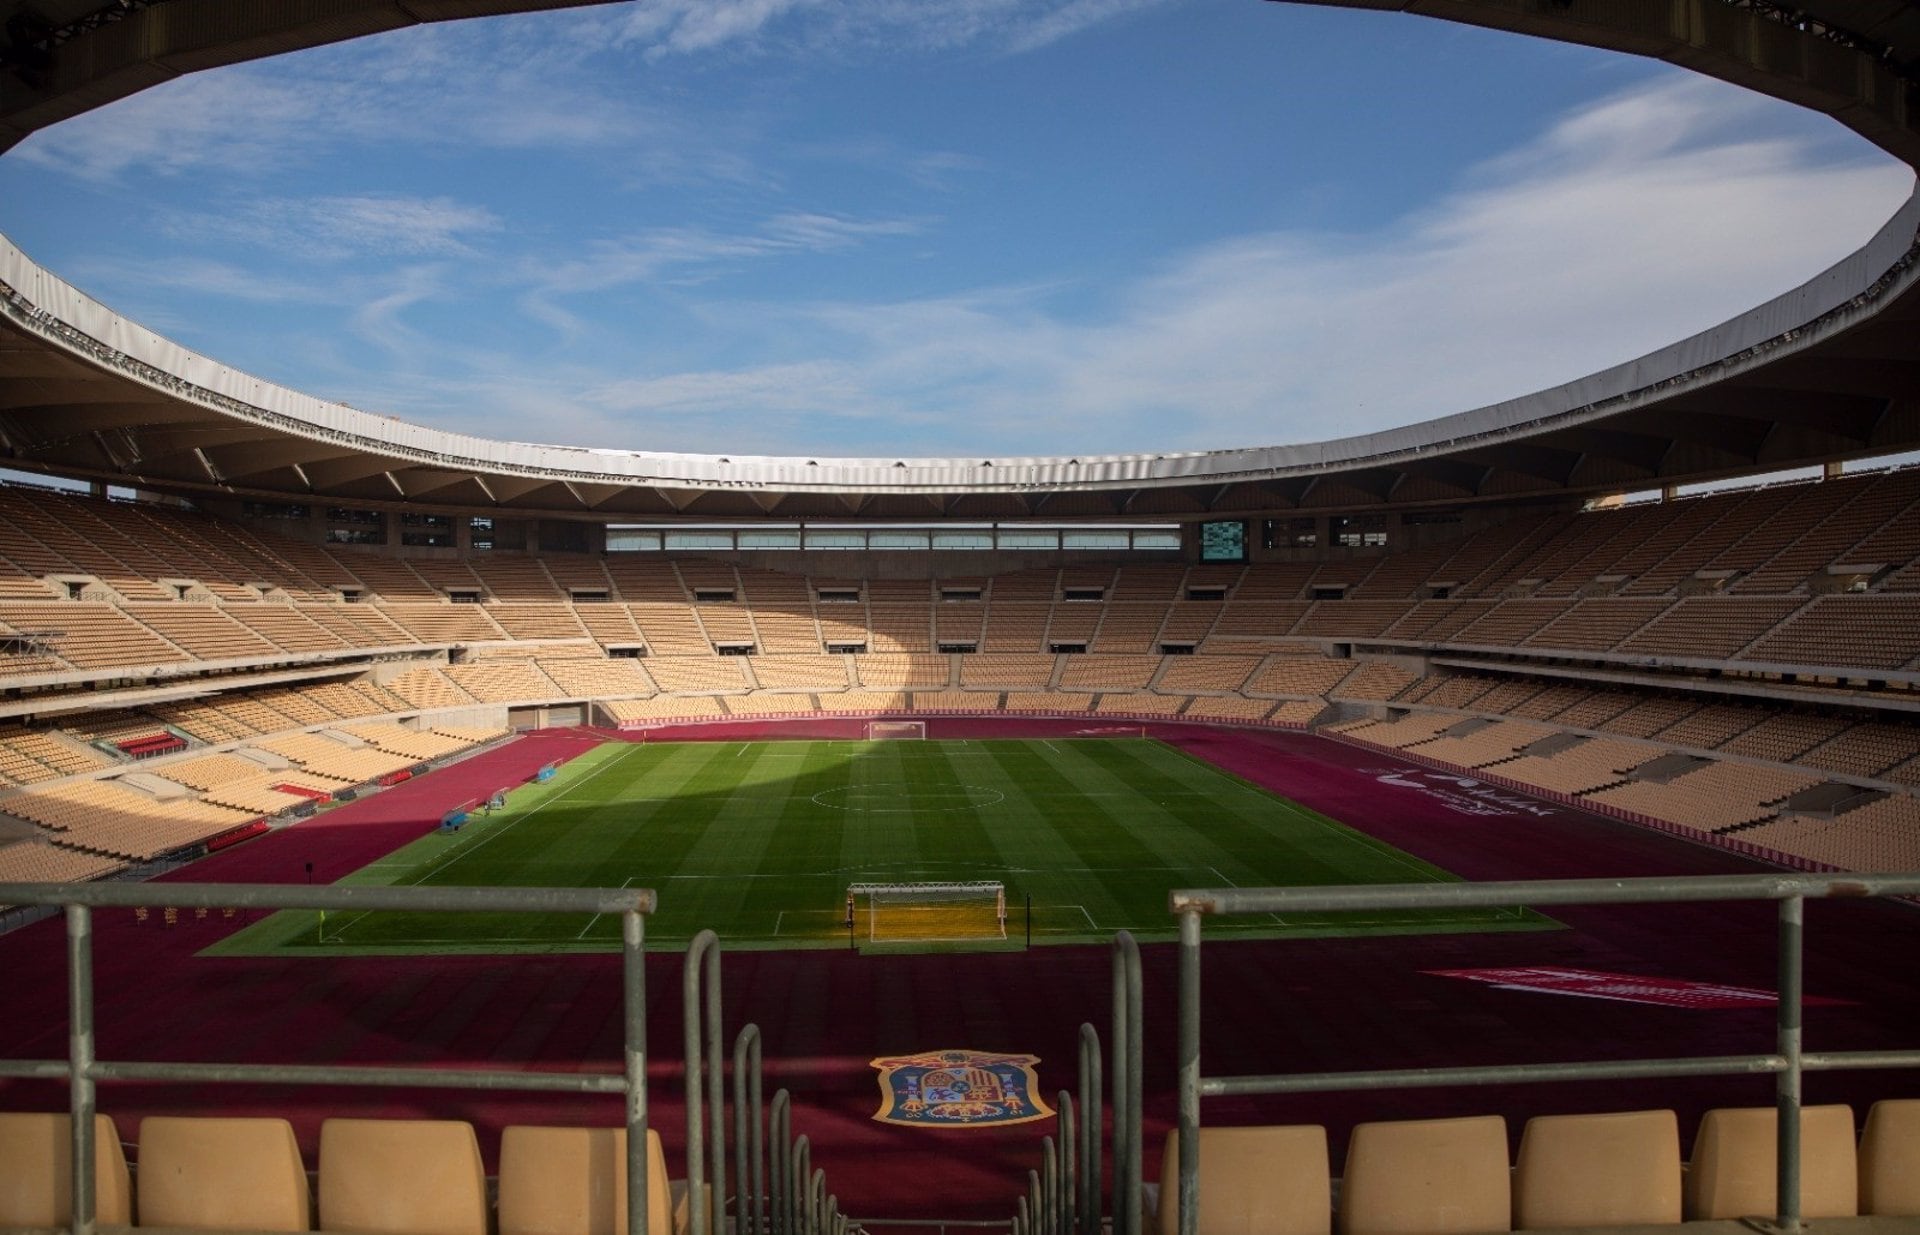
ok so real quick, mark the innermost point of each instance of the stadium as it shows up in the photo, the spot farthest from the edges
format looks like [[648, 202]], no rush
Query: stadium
[[443, 795]]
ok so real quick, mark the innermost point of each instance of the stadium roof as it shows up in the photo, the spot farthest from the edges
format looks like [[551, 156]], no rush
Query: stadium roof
[[1829, 370]]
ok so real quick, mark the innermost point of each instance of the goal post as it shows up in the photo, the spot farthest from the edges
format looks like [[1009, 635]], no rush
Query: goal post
[[927, 912], [896, 730]]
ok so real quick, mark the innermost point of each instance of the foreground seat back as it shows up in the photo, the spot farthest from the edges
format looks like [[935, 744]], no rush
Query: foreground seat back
[[1427, 1177], [36, 1171], [1619, 1169], [222, 1175], [1733, 1171], [1253, 1181], [573, 1181], [401, 1177], [1890, 1159]]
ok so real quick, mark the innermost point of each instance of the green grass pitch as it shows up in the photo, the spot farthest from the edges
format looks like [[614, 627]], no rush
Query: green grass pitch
[[759, 841]]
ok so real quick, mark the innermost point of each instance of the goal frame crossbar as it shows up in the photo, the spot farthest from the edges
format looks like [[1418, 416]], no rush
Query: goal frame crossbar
[[903, 895]]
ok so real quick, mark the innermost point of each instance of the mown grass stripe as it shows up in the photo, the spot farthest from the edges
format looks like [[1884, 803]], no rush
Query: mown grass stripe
[[759, 841]]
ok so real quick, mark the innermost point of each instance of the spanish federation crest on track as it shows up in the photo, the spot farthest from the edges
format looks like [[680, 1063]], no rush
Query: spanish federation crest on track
[[959, 1089]]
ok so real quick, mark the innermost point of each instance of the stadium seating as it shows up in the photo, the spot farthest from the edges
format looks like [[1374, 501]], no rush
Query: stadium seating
[[1427, 1175], [1274, 1180], [100, 589], [401, 1177], [222, 1174], [1597, 1170], [573, 1181], [1889, 1155], [1731, 1174], [36, 1171]]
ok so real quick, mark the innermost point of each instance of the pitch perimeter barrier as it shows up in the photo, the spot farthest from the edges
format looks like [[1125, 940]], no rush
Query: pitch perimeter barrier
[[1787, 1062], [82, 1070]]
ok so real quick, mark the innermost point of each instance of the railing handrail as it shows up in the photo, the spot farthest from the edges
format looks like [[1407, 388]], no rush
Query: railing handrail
[[1787, 1062], [1222, 902], [437, 898], [82, 1069]]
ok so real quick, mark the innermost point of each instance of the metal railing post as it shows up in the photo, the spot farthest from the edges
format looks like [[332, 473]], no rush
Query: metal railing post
[[1128, 1056], [80, 1059], [1787, 1045], [1188, 1180], [802, 1166], [1091, 1139], [1065, 1211], [633, 954], [706, 1130], [780, 1132], [1049, 1185], [749, 1135]]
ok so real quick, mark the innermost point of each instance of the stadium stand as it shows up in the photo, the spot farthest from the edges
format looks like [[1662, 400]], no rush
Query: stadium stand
[[1741, 666], [1266, 632]]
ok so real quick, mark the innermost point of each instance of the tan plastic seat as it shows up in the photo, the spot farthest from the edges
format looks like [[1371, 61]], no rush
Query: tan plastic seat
[[1734, 1162], [222, 1175], [1890, 1159], [1427, 1176], [401, 1177], [573, 1181], [1620, 1169], [1254, 1181], [36, 1171]]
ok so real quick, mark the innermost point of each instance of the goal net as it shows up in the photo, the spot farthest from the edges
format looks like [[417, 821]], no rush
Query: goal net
[[927, 912], [894, 730]]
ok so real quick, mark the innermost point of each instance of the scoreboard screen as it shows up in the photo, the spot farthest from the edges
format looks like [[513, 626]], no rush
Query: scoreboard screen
[[1223, 541]]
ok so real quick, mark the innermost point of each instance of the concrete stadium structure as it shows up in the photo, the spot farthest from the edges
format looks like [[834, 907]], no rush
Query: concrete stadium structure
[[1822, 373], [309, 601]]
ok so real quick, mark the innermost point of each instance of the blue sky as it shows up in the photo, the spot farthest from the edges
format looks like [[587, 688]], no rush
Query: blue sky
[[896, 228]]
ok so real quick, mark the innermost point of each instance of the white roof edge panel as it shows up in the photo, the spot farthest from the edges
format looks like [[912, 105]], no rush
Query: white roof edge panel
[[1859, 284]]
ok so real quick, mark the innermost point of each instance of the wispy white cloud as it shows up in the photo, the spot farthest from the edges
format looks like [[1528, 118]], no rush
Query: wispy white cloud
[[1627, 225], [1069, 19], [198, 276], [379, 320], [228, 119], [934, 170], [693, 254], [684, 27], [335, 228], [522, 83]]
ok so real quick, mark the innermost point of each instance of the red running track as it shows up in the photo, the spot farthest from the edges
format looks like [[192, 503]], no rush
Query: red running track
[[1271, 1006]]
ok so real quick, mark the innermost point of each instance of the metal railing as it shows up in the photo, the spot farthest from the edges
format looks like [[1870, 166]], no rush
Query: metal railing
[[779, 1190], [1063, 1195], [1787, 1062], [82, 1070]]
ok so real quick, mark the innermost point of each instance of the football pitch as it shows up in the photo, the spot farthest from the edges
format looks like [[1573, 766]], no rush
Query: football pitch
[[760, 840]]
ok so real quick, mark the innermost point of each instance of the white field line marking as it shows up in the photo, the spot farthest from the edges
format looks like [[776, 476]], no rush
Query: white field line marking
[[625, 883], [1230, 883], [461, 853]]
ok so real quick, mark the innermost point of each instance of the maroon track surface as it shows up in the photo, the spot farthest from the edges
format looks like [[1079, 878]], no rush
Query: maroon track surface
[[1278, 1006]]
